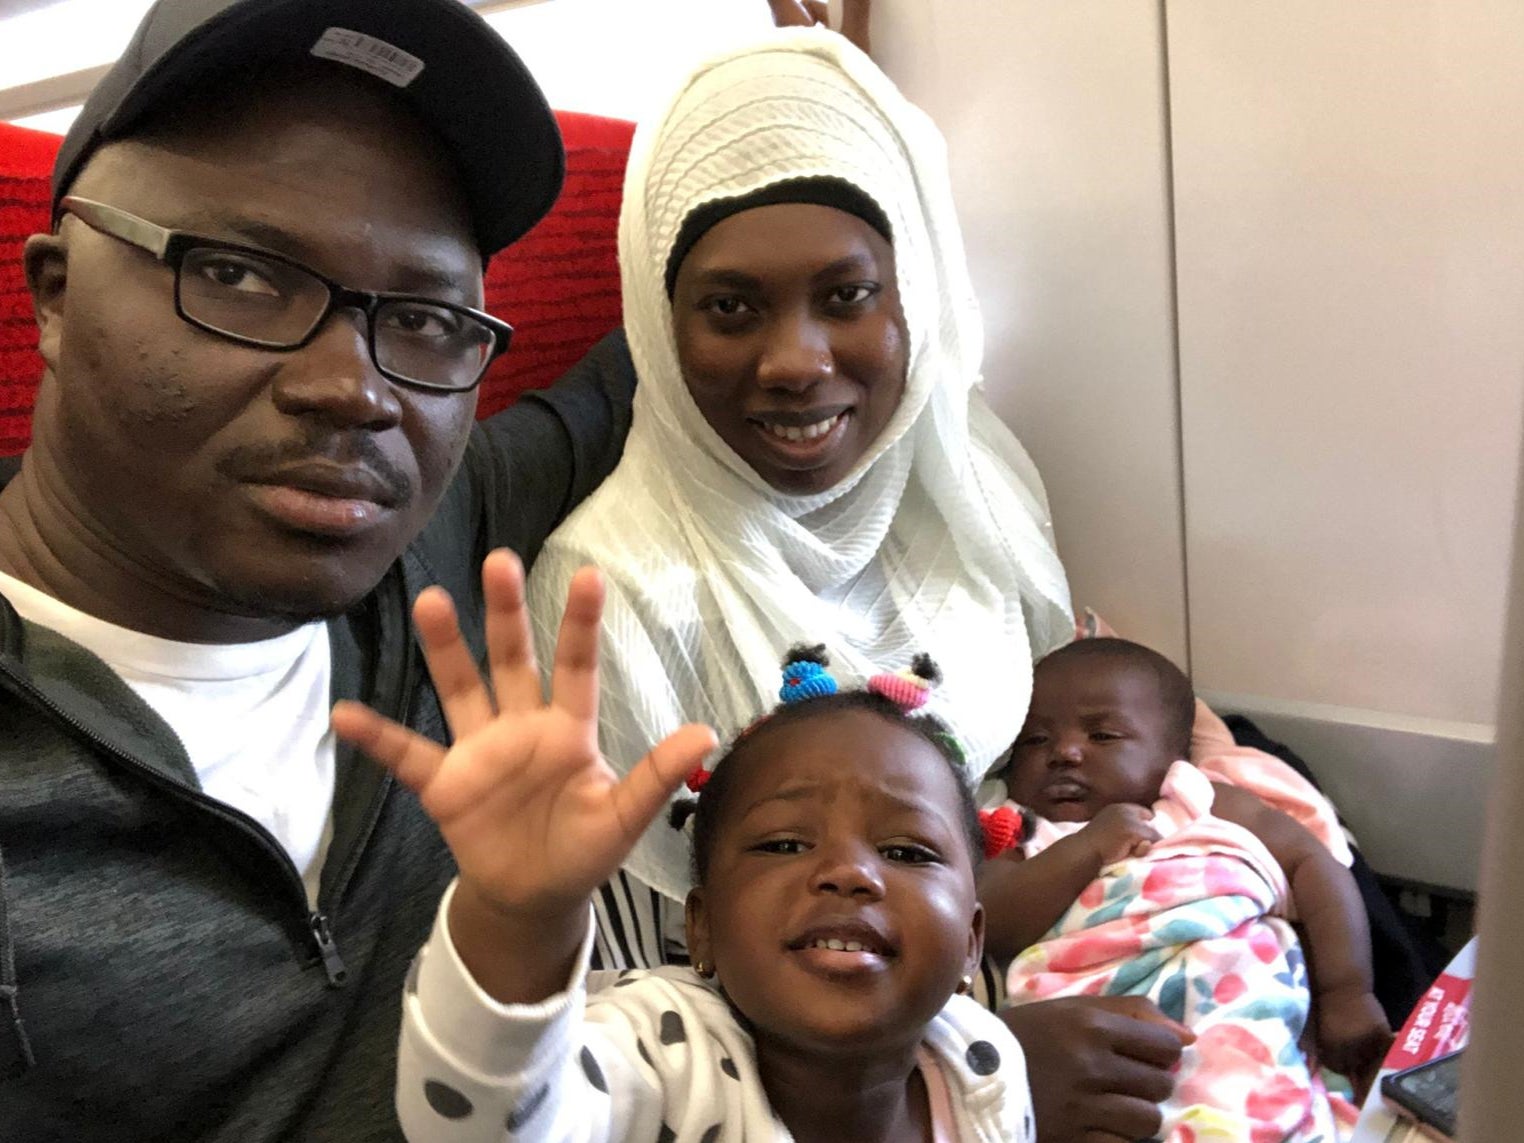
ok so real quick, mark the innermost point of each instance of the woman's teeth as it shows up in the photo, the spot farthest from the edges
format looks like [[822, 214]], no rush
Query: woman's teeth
[[800, 434], [838, 946]]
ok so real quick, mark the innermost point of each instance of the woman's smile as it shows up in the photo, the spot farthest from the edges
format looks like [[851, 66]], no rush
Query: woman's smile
[[800, 441]]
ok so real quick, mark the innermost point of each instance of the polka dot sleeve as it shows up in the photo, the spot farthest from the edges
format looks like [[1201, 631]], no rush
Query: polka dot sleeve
[[650, 1055], [471, 1070]]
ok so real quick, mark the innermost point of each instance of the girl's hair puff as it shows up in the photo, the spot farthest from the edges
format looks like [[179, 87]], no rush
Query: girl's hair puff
[[707, 809]]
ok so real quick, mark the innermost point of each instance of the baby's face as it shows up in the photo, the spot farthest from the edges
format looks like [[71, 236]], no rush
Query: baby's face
[[1096, 733]]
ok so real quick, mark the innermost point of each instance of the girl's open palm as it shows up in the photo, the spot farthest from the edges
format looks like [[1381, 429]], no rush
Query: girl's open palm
[[534, 816]]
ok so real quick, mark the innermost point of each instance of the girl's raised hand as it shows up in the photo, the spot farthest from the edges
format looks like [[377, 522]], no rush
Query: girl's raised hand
[[534, 816]]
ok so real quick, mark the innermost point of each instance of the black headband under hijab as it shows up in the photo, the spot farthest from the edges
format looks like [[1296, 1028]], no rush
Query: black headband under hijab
[[822, 191]]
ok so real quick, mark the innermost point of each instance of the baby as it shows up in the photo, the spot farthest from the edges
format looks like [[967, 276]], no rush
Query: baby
[[1140, 875], [834, 924]]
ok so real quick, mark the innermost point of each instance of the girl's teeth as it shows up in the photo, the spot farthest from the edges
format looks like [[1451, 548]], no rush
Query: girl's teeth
[[798, 435], [839, 946]]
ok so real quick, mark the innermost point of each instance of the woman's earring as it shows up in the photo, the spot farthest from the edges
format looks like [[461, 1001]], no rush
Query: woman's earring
[[703, 969], [965, 986]]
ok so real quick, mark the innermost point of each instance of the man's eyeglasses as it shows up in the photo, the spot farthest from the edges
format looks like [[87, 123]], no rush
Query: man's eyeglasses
[[257, 298]]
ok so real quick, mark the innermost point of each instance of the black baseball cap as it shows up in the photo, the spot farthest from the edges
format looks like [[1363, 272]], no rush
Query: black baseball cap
[[442, 58]]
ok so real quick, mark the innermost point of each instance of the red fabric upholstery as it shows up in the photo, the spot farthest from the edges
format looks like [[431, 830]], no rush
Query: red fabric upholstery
[[559, 286], [26, 159]]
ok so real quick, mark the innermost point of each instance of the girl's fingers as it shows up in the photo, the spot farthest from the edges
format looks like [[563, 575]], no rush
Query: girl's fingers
[[462, 694], [510, 647], [411, 757], [645, 790], [574, 674]]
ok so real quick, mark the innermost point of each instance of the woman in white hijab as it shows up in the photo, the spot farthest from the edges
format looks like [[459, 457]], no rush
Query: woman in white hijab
[[811, 460]]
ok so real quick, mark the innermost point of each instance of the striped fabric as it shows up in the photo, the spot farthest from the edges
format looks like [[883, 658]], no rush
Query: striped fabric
[[559, 286], [636, 926]]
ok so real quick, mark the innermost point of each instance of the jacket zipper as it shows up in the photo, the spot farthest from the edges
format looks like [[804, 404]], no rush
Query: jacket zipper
[[317, 921], [323, 935]]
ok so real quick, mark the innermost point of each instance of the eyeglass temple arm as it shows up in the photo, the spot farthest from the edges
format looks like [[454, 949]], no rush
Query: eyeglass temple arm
[[120, 224]]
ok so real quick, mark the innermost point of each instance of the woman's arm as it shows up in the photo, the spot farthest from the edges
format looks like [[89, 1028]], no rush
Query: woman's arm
[[1024, 898], [1099, 1066], [1351, 1031]]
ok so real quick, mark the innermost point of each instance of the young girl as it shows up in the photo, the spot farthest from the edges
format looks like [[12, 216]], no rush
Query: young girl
[[833, 923], [1143, 876]]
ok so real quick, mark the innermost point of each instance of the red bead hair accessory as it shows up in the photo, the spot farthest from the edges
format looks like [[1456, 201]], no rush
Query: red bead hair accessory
[[1002, 830], [698, 779]]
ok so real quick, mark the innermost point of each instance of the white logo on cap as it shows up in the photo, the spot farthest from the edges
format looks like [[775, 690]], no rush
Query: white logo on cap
[[379, 58]]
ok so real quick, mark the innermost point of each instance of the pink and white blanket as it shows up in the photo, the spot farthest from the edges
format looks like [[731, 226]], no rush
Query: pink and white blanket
[[1201, 927]]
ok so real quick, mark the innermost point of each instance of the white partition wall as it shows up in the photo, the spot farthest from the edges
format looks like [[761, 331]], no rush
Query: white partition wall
[[1055, 120], [1349, 203], [1323, 200]]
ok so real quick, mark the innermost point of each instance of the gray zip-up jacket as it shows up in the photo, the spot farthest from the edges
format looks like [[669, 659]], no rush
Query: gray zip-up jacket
[[161, 974]]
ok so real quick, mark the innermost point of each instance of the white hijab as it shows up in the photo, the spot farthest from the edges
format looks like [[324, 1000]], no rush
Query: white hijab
[[938, 540]]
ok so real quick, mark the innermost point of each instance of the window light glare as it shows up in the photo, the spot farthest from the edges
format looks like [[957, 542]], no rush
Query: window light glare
[[66, 37]]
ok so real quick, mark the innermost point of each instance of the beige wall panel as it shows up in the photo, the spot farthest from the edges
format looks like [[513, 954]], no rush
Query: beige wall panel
[[1054, 115], [1349, 182]]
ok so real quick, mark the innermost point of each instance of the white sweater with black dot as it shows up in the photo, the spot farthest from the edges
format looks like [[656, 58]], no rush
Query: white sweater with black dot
[[640, 1056]]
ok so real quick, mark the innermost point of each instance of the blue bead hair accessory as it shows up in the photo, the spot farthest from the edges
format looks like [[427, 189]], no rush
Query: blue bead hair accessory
[[805, 675]]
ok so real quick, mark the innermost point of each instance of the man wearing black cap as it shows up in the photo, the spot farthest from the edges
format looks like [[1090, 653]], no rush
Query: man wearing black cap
[[254, 444]]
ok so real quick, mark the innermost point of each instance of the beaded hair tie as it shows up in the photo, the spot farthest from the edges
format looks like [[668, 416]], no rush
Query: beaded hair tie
[[805, 677], [910, 688], [1003, 829]]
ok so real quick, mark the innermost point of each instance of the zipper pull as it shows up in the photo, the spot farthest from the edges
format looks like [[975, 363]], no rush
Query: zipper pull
[[323, 935]]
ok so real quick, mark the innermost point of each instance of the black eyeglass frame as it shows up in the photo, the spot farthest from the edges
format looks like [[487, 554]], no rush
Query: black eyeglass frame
[[171, 246]]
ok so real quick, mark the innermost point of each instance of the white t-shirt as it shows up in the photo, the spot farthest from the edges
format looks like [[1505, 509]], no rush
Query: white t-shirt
[[253, 717]]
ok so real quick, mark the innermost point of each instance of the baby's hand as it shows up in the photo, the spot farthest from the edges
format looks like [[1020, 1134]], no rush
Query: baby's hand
[[1120, 831], [1352, 1035]]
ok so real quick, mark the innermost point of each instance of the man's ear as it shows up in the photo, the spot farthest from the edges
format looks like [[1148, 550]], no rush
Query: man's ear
[[975, 943], [45, 258], [696, 924]]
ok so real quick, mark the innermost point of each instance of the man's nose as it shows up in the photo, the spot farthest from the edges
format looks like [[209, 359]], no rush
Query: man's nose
[[796, 354], [335, 376]]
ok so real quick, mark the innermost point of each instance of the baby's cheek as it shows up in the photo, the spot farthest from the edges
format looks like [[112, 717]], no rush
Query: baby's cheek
[[1019, 778]]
